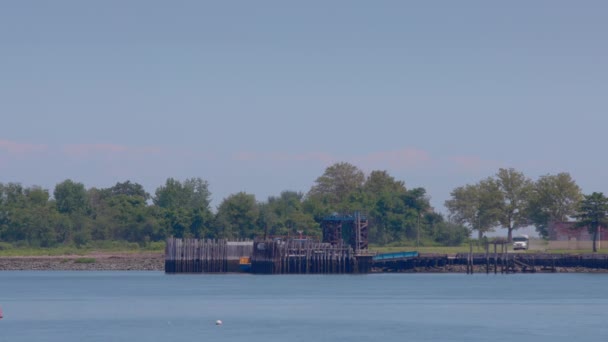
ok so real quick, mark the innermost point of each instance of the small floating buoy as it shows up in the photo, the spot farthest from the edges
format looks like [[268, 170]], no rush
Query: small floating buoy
[[218, 322]]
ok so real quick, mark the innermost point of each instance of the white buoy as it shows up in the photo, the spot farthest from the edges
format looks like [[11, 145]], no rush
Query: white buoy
[[218, 322]]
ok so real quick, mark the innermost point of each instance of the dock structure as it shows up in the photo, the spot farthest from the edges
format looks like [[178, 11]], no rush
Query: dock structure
[[349, 229], [303, 256], [307, 256], [204, 255], [393, 262], [503, 263], [344, 249], [533, 262], [266, 256]]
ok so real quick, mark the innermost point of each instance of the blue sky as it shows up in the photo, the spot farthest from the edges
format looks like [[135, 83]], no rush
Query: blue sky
[[262, 96]]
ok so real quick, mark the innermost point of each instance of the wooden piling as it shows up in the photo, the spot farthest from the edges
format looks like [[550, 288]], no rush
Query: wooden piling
[[495, 260], [204, 256], [487, 258], [305, 257]]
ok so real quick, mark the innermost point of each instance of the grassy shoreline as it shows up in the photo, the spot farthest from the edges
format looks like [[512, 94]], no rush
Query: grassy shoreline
[[117, 259], [7, 250], [463, 249], [69, 251]]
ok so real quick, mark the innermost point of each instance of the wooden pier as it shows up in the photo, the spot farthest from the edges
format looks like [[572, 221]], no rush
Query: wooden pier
[[499, 262], [297, 256], [270, 256], [535, 262], [204, 256], [304, 256]]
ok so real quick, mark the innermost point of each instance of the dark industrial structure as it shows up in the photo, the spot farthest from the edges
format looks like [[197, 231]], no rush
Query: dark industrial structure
[[304, 256], [349, 229], [344, 249]]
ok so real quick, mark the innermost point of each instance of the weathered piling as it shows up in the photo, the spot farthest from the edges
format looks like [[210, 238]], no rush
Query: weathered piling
[[204, 256], [305, 256], [302, 256], [500, 259]]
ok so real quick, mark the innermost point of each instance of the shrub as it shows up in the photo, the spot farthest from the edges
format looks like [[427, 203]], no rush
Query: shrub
[[156, 246], [85, 261]]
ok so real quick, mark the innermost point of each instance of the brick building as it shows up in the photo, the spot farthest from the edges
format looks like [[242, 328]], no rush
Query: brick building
[[565, 231]]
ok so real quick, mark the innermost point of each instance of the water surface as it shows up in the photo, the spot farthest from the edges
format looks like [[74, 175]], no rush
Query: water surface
[[152, 306]]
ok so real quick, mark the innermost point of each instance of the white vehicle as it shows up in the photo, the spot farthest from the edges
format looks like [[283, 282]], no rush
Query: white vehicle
[[521, 242]]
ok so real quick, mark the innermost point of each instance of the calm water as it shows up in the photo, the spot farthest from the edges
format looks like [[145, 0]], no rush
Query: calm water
[[151, 306]]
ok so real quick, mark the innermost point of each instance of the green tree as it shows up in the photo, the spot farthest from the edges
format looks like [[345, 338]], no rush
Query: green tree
[[41, 218], [80, 229], [201, 225], [478, 206], [417, 201], [72, 202], [389, 219], [26, 215], [237, 217], [121, 213], [593, 214], [284, 215], [516, 191], [127, 189], [336, 184], [199, 195], [11, 197], [37, 196], [193, 193], [317, 207], [185, 208], [128, 217], [554, 198], [399, 215], [71, 197], [379, 182], [383, 202], [449, 233], [178, 222]]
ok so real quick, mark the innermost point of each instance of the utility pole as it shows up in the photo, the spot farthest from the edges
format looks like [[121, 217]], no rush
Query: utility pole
[[599, 237], [418, 231]]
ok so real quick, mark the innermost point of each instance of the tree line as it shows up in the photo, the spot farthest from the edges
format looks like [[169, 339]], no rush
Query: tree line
[[75, 215], [511, 200]]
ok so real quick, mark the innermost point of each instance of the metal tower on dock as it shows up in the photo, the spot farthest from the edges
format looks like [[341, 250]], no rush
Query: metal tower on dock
[[349, 229]]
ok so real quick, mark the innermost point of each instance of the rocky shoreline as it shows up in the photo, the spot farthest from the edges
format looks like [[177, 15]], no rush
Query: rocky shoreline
[[90, 262], [156, 262], [482, 270]]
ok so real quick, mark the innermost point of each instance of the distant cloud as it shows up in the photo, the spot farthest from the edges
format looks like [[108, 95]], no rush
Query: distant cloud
[[86, 149], [314, 156], [396, 159], [473, 163], [284, 157], [82, 150], [100, 151], [18, 148]]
